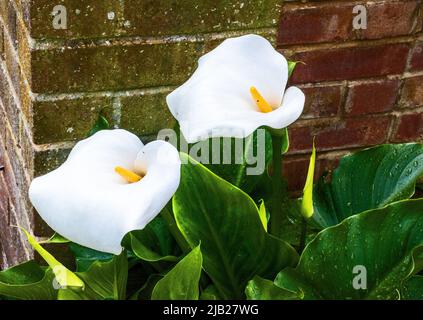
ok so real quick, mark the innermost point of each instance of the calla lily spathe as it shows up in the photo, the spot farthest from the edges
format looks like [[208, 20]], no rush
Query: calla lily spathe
[[87, 199], [224, 97]]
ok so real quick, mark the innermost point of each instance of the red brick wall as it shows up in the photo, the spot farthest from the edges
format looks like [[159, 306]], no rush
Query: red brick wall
[[363, 87]]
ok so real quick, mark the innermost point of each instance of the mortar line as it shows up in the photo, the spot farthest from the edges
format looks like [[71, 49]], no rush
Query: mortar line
[[60, 44], [331, 2], [352, 43], [54, 146], [117, 112], [42, 97], [50, 97]]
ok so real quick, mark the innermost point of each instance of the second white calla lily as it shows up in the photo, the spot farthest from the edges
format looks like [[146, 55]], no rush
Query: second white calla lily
[[110, 184], [237, 88]]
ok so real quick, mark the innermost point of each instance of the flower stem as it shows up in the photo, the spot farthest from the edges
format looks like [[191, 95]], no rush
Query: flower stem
[[167, 214], [276, 202]]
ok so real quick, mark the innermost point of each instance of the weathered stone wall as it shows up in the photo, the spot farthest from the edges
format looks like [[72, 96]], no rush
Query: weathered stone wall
[[122, 57]]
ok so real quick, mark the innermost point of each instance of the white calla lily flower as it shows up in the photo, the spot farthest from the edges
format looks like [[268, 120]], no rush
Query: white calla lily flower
[[110, 184], [237, 88]]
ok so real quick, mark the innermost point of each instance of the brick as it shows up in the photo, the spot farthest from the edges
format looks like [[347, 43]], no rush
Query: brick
[[68, 120], [371, 97], [409, 128], [322, 101], [89, 18], [113, 67], [416, 63], [146, 114], [389, 19], [168, 17], [334, 23], [350, 63], [412, 92], [351, 132], [48, 160], [85, 19], [313, 24]]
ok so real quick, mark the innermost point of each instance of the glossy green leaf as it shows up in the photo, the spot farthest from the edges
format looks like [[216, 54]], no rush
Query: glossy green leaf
[[103, 281], [307, 201], [182, 282], [28, 281], [367, 256], [64, 276], [153, 243], [85, 257], [413, 289], [101, 124], [262, 289], [225, 220], [246, 165], [366, 180]]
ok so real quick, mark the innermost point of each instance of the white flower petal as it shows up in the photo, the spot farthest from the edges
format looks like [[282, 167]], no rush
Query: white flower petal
[[85, 201], [216, 100]]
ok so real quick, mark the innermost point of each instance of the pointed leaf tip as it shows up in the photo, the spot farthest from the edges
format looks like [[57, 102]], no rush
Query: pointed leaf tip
[[307, 209], [64, 277]]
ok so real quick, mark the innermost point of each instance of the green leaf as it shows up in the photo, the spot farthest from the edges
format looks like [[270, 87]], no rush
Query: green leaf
[[182, 282], [64, 276], [85, 257], [285, 141], [413, 289], [241, 170], [144, 293], [307, 201], [367, 180], [262, 289], [103, 281], [291, 67], [387, 242], [28, 281], [101, 124], [210, 293], [225, 220], [263, 215], [153, 243]]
